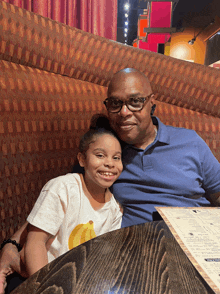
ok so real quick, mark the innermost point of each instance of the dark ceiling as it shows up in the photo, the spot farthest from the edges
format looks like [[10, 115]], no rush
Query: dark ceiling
[[195, 13], [186, 13]]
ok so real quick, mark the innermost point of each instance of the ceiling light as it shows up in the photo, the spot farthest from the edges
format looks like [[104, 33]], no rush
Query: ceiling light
[[126, 15], [125, 35], [191, 42], [126, 6], [126, 23], [126, 30]]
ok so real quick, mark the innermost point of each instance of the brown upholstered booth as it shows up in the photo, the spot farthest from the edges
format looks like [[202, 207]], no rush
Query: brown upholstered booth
[[53, 78]]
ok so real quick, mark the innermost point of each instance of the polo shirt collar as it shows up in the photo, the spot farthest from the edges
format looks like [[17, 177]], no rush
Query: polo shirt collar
[[162, 131]]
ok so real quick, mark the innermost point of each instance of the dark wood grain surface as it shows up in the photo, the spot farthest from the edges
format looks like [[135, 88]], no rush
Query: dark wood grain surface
[[139, 259]]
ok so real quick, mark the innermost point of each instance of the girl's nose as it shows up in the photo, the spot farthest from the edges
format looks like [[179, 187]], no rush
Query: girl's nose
[[109, 163]]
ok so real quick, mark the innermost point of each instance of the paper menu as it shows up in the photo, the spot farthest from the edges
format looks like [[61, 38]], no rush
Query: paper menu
[[197, 230]]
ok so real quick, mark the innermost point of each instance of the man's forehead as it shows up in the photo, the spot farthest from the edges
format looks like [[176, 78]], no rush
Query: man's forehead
[[126, 95], [123, 76], [134, 82]]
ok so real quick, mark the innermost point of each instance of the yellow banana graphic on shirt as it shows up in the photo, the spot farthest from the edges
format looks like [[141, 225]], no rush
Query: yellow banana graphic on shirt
[[81, 233]]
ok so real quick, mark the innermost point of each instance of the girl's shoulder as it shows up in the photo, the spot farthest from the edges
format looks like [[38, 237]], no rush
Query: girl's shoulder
[[68, 180]]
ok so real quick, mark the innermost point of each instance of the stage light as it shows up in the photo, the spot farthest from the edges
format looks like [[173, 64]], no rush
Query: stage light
[[126, 30], [126, 15], [125, 35], [126, 23]]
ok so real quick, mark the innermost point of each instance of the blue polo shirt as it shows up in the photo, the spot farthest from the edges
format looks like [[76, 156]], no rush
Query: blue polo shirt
[[177, 169]]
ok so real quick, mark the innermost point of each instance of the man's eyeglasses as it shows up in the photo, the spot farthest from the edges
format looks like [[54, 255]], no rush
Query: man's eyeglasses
[[114, 105]]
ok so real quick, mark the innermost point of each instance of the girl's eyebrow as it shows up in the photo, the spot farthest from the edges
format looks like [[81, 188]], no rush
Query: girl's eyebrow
[[103, 150], [99, 149]]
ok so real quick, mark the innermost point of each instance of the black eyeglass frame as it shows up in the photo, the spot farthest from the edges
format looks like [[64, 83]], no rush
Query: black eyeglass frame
[[142, 99]]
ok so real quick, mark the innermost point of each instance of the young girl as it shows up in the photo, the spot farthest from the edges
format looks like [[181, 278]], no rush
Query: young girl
[[75, 208]]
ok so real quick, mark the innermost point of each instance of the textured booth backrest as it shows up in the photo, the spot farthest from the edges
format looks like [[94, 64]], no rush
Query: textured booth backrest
[[36, 41], [42, 117], [53, 78]]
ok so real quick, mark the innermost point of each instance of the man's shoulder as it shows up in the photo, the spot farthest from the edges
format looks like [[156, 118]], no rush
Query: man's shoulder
[[180, 130], [184, 135], [173, 129], [178, 134]]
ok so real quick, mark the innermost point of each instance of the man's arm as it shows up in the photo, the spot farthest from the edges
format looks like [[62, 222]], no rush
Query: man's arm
[[214, 199]]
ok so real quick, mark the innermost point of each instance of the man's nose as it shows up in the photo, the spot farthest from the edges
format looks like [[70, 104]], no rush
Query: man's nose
[[125, 111]]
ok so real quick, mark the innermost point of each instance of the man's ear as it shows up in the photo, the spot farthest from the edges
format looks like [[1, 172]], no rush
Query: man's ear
[[153, 105], [81, 159], [152, 100]]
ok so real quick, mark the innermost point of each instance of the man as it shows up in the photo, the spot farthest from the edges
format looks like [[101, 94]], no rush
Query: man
[[163, 165]]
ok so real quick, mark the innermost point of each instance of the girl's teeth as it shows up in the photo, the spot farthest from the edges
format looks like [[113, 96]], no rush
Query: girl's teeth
[[107, 174]]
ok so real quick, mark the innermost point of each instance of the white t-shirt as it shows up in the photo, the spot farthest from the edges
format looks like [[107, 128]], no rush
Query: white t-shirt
[[66, 210]]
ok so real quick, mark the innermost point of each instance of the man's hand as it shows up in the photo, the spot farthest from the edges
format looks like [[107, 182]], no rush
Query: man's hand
[[214, 199]]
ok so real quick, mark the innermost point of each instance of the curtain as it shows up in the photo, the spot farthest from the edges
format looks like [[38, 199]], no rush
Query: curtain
[[98, 17]]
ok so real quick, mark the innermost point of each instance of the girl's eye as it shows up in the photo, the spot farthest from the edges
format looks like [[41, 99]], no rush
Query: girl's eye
[[117, 158], [99, 155]]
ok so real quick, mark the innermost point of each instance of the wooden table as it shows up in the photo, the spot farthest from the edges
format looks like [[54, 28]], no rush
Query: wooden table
[[139, 259]]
